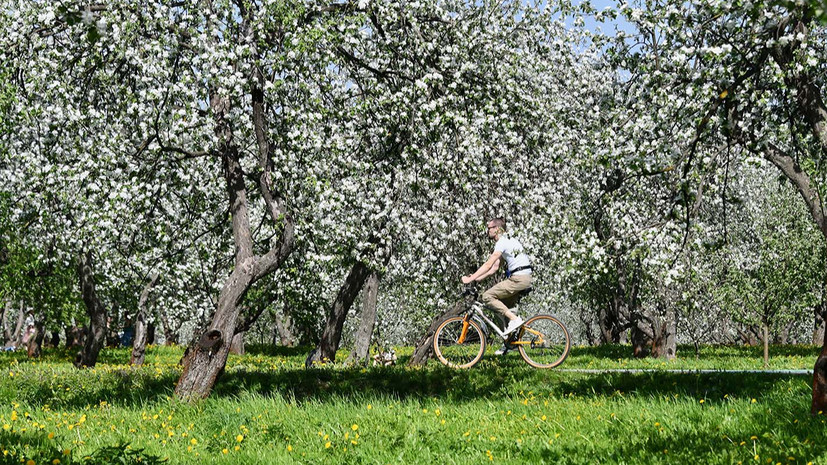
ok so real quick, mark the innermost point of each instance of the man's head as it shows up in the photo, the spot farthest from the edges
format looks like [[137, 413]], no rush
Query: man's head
[[496, 227]]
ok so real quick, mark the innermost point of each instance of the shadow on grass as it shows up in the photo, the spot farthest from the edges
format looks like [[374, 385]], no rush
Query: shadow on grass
[[19, 447], [616, 352], [490, 379]]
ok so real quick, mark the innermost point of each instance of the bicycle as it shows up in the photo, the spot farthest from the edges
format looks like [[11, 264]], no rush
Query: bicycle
[[459, 342]]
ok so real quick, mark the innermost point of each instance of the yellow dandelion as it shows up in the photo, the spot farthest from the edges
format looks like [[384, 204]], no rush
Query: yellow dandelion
[[370, 406], [193, 441], [237, 448], [354, 427], [754, 401], [239, 438], [701, 401], [289, 448], [327, 445], [224, 451], [30, 462], [66, 451], [56, 462]]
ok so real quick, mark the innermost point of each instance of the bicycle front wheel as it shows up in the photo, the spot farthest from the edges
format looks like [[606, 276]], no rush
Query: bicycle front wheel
[[459, 344], [543, 341]]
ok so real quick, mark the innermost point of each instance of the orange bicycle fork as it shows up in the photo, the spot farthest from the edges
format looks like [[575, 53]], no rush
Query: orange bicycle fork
[[464, 330]]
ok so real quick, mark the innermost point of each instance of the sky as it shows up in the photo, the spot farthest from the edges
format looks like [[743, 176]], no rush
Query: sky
[[606, 27]]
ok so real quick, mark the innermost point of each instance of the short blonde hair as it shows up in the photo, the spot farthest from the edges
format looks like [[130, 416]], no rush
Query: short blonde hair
[[498, 222]]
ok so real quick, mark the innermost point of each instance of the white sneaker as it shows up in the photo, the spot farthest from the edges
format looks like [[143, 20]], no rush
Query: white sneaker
[[513, 325], [502, 350]]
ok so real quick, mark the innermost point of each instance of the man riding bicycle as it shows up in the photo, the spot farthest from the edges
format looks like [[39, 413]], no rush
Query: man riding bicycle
[[518, 274]]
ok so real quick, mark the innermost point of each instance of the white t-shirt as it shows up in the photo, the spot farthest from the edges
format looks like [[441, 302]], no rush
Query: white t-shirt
[[513, 254]]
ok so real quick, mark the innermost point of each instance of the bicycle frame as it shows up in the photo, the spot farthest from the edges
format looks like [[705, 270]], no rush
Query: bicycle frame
[[477, 310]]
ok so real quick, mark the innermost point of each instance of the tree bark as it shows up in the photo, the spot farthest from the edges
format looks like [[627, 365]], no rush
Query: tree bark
[[237, 344], [171, 336], [17, 337], [664, 344], [332, 335], [35, 345], [424, 347], [205, 360], [96, 334], [370, 294], [75, 336], [765, 336], [818, 328], [282, 329], [139, 343], [819, 404], [7, 306]]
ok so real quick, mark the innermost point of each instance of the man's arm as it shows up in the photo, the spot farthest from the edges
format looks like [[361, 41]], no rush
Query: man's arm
[[487, 269]]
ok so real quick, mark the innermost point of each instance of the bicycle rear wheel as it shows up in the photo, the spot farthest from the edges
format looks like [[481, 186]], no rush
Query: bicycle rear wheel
[[544, 341], [454, 350]]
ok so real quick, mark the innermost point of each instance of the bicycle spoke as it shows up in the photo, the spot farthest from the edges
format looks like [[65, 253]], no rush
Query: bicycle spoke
[[457, 348], [543, 342]]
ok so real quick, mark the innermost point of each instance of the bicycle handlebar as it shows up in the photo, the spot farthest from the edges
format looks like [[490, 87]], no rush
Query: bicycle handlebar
[[471, 289]]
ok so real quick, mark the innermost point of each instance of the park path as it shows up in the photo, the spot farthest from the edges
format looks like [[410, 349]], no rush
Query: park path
[[684, 372]]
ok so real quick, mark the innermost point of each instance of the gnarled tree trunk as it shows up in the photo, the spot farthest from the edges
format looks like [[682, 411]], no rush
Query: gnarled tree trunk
[[96, 334], [370, 294], [17, 337], [237, 344], [332, 335], [282, 329], [205, 360], [35, 346], [139, 343], [424, 347]]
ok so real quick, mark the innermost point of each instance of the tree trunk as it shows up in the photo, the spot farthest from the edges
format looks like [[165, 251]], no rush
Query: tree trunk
[[35, 346], [818, 328], [17, 337], [171, 336], [7, 306], [205, 359], [237, 344], [139, 343], [282, 329], [664, 344], [370, 294], [424, 347], [607, 321], [765, 336], [332, 335], [75, 336], [96, 334]]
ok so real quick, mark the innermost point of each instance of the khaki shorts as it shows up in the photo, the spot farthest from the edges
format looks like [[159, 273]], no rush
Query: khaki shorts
[[502, 295]]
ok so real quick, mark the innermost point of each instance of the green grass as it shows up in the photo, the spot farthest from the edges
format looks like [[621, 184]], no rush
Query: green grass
[[501, 411]]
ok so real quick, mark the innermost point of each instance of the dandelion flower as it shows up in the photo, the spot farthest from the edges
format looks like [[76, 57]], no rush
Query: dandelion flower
[[239, 438], [354, 427]]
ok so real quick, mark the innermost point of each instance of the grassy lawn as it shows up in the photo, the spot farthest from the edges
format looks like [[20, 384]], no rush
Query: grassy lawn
[[268, 409]]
